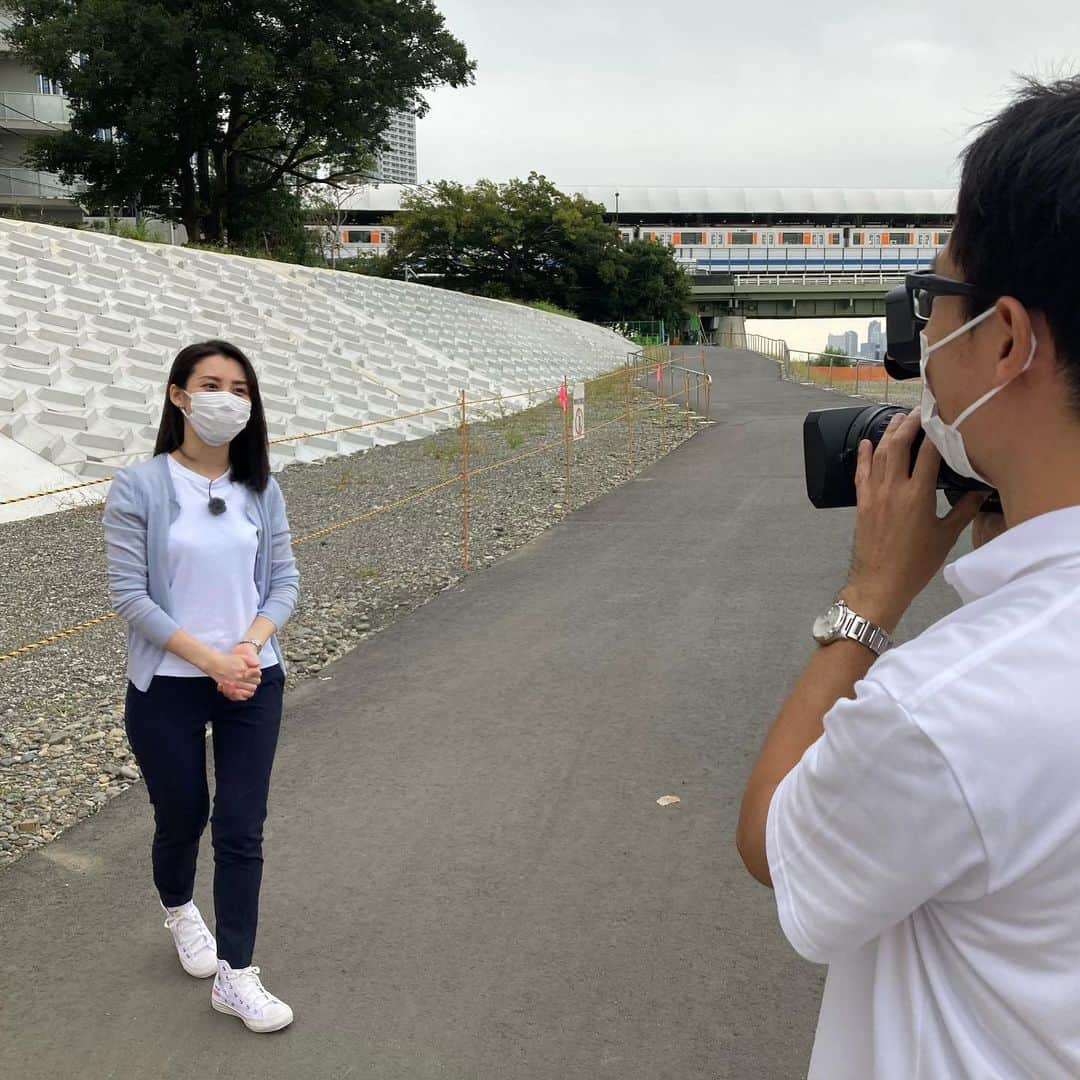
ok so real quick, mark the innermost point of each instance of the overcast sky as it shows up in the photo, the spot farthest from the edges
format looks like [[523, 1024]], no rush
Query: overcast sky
[[711, 92]]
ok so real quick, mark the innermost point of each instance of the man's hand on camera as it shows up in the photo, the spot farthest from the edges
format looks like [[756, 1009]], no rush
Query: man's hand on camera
[[900, 542]]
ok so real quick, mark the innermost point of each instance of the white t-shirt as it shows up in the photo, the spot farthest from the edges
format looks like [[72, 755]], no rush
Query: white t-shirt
[[212, 567], [927, 846]]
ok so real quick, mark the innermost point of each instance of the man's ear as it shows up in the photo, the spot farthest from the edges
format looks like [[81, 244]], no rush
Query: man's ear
[[1017, 335]]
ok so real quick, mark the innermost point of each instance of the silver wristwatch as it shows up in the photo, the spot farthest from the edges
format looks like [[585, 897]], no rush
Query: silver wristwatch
[[840, 623]]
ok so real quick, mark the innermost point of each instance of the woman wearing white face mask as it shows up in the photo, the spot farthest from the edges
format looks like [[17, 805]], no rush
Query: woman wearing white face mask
[[201, 569]]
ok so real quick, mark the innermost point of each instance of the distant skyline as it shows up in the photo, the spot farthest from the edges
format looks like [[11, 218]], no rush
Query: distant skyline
[[709, 94], [809, 335]]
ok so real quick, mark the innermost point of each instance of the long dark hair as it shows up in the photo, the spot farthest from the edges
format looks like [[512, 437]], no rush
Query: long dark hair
[[249, 452]]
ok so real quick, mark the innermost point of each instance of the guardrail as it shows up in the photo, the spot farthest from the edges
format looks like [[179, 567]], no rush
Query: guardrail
[[801, 258], [700, 392], [793, 278], [854, 376], [774, 348]]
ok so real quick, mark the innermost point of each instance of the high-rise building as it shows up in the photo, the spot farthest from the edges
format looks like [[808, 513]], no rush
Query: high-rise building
[[30, 105], [847, 342], [874, 334], [397, 164]]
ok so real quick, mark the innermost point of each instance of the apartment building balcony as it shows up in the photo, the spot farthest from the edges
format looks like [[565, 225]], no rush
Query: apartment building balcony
[[18, 183], [33, 112]]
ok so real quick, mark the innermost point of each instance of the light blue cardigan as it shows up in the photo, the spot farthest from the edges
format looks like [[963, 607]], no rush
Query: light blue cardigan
[[140, 508]]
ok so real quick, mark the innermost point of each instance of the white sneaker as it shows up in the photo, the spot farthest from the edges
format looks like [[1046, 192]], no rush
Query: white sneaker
[[240, 992], [195, 945]]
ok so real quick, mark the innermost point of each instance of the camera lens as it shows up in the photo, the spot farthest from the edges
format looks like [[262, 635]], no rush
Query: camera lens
[[831, 440]]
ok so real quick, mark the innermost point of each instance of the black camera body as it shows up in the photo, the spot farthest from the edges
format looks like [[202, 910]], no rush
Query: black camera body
[[831, 437], [902, 334]]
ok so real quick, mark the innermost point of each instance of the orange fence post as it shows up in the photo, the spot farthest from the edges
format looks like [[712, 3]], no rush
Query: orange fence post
[[663, 409], [465, 481], [856, 378], [566, 420], [629, 429]]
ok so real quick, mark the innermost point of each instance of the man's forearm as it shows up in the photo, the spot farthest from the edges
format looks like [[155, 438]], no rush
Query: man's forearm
[[900, 543], [830, 675]]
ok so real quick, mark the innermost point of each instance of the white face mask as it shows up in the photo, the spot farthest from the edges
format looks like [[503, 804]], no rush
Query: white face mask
[[947, 437], [218, 416]]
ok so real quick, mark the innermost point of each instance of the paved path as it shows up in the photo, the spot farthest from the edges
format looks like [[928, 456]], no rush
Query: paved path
[[467, 873]]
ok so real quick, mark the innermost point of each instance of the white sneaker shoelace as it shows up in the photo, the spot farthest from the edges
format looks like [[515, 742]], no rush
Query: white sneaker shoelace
[[190, 931], [247, 986]]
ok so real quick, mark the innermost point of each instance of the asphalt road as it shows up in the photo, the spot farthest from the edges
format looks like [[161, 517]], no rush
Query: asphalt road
[[467, 872]]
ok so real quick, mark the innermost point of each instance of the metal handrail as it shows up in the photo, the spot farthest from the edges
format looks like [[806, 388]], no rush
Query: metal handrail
[[705, 261], [690, 371], [825, 358], [880, 278]]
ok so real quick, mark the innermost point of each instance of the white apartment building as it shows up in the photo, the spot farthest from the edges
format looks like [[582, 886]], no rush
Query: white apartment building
[[397, 165], [29, 104]]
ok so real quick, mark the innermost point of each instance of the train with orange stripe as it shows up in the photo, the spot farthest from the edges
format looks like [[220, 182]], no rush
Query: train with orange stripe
[[746, 249], [787, 236], [796, 249], [354, 240]]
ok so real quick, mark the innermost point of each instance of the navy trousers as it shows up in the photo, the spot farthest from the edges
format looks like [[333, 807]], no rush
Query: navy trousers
[[166, 727]]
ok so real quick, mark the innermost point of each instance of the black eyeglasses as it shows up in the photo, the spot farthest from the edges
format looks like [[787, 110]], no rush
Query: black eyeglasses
[[923, 285]]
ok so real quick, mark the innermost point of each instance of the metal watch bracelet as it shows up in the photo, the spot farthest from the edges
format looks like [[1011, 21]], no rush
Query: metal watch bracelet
[[860, 629]]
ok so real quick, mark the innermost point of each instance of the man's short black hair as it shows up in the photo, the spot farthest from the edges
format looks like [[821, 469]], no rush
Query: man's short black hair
[[1018, 213]]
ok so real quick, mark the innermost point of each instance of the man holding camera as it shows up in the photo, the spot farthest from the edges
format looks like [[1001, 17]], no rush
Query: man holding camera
[[917, 809]]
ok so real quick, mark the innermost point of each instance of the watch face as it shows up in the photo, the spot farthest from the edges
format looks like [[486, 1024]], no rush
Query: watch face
[[828, 624]]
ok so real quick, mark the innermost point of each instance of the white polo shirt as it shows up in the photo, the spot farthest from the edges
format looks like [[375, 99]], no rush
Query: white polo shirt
[[927, 846]]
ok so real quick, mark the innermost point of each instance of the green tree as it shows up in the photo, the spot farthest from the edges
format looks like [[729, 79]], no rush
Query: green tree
[[526, 240], [498, 240], [273, 225], [655, 286], [591, 265], [834, 357], [214, 105]]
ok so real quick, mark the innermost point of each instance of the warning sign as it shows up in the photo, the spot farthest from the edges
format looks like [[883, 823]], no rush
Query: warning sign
[[579, 410]]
